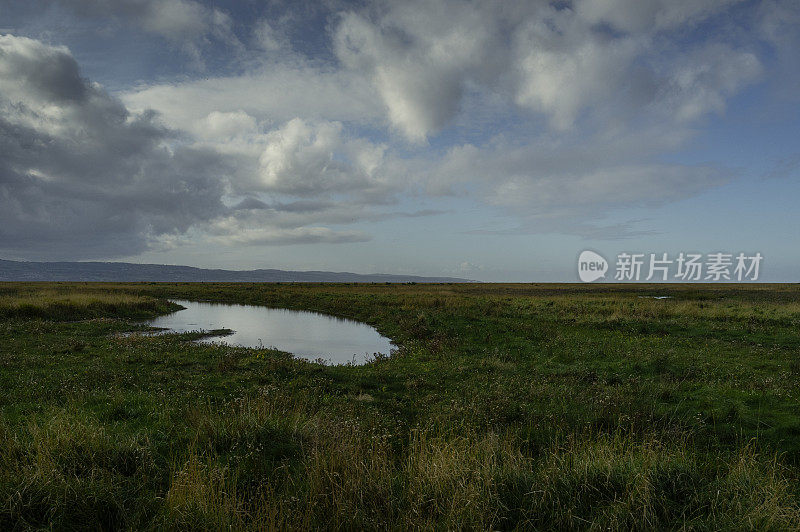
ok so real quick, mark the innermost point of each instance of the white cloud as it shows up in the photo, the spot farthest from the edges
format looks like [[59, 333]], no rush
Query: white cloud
[[705, 79], [605, 188], [419, 57], [552, 184], [224, 126], [468, 267], [778, 22], [305, 159], [423, 57], [268, 37], [181, 19], [274, 93], [561, 71], [231, 231]]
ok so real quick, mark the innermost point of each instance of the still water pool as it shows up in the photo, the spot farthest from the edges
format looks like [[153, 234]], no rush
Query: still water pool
[[308, 335]]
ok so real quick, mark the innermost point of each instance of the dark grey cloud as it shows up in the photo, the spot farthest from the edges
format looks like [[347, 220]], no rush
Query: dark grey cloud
[[82, 176], [53, 76], [79, 174]]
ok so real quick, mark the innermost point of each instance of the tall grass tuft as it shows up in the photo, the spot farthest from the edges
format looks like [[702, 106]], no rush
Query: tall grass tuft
[[350, 476], [53, 305]]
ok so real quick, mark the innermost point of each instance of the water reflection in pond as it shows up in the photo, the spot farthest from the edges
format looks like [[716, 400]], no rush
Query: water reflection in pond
[[305, 334]]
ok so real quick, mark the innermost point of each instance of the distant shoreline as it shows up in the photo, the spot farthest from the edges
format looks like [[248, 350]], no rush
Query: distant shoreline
[[131, 272]]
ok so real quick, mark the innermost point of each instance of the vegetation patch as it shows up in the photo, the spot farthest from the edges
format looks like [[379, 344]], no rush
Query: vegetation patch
[[505, 407]]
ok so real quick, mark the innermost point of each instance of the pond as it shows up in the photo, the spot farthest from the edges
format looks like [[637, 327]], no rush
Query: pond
[[308, 335]]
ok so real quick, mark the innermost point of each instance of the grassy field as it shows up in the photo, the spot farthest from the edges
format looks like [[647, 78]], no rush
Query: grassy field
[[505, 407]]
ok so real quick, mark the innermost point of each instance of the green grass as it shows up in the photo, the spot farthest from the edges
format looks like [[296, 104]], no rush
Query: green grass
[[506, 406], [76, 305]]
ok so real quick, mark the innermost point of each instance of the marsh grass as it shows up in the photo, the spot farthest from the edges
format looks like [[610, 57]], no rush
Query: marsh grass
[[339, 474], [506, 407], [57, 305]]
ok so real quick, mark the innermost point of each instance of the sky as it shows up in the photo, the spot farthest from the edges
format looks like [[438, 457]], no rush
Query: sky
[[487, 140]]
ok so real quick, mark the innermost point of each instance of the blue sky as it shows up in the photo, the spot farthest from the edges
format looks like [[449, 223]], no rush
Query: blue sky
[[488, 140]]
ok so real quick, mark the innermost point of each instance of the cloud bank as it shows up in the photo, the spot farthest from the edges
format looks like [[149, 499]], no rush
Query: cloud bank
[[82, 175], [552, 114]]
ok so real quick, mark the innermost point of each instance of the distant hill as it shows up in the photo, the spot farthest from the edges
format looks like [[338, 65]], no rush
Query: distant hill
[[126, 272]]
